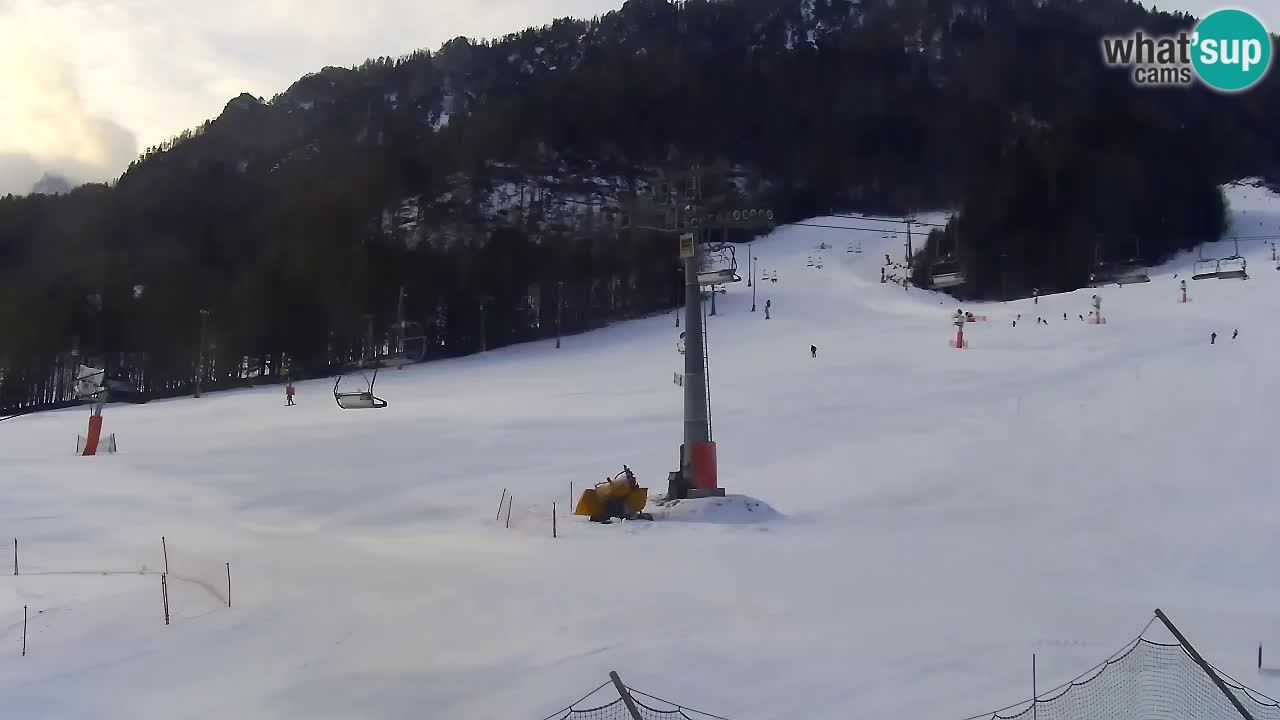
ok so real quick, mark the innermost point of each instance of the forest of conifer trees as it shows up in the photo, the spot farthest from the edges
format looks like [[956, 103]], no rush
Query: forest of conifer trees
[[283, 218]]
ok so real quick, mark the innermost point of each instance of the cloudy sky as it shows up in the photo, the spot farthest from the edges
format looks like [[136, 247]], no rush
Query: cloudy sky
[[86, 84]]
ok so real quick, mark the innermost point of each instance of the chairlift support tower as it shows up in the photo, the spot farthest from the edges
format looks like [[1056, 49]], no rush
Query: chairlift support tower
[[698, 452]]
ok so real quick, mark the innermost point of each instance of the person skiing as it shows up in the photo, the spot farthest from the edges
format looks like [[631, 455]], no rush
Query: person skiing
[[767, 304], [1235, 334], [1213, 338], [288, 394], [813, 350]]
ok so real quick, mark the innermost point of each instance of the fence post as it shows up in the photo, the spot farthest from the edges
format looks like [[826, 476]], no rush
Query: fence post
[[228, 584], [571, 497], [553, 520], [1034, 692], [500, 502], [15, 556], [1208, 669], [165, 547], [24, 631], [508, 510], [164, 596], [626, 696]]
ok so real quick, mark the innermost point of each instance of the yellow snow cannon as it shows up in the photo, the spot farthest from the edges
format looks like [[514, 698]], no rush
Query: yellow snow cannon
[[599, 502]]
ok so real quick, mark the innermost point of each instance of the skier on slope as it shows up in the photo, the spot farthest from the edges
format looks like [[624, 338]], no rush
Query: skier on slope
[[813, 350], [1213, 338], [288, 394]]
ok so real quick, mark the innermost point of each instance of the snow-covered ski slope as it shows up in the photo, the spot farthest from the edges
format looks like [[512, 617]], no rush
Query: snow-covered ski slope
[[940, 514]]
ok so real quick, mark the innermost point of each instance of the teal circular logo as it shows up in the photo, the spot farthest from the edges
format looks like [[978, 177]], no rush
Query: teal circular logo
[[1231, 50]]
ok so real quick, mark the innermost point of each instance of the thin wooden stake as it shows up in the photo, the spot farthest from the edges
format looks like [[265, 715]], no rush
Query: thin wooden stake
[[164, 595], [15, 556], [165, 547], [228, 584], [509, 510], [24, 631], [571, 496], [500, 501], [553, 520]]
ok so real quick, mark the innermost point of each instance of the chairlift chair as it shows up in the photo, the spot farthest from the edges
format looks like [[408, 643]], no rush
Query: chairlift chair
[[946, 274], [1131, 274], [723, 269], [413, 345], [1233, 268], [717, 277], [1205, 269], [358, 399]]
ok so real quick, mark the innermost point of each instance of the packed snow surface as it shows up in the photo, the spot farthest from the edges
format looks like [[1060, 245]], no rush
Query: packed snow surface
[[906, 523]]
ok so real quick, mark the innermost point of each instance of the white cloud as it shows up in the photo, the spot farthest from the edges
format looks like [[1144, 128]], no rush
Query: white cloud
[[81, 76], [44, 121]]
